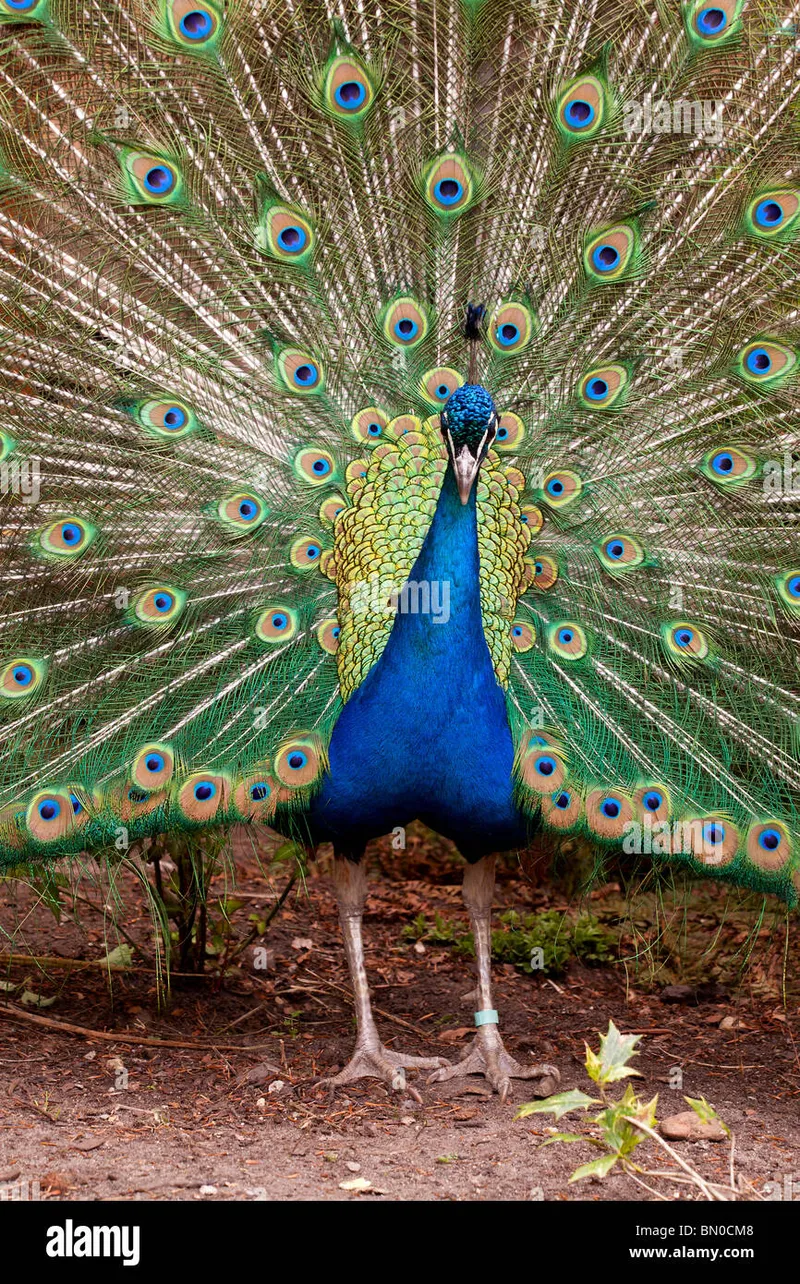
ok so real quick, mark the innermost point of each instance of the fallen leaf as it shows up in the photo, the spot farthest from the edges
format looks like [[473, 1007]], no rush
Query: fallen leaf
[[356, 1183], [452, 1036], [32, 1000], [120, 958]]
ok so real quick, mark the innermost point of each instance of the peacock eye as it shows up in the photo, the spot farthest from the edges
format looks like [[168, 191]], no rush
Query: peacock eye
[[563, 801], [774, 212], [766, 362], [713, 833], [350, 95], [205, 790], [686, 642], [545, 766], [193, 26], [405, 322], [159, 605], [769, 214], [605, 257], [449, 185], [159, 180], [276, 624], [712, 21], [348, 91], [293, 239], [448, 191], [759, 361], [581, 108], [579, 113], [507, 334], [568, 641], [653, 800], [241, 513], [300, 371], [406, 329], [197, 24], [20, 677], [729, 466]]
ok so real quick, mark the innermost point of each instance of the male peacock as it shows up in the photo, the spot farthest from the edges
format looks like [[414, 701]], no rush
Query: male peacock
[[398, 416]]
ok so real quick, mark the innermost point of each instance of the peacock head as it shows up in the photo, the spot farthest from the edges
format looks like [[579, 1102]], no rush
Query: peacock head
[[469, 425]]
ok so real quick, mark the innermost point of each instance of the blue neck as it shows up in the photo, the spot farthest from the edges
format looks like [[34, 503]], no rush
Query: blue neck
[[448, 562], [426, 735]]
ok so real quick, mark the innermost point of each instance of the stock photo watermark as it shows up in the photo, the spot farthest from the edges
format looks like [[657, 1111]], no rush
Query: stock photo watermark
[[703, 118], [381, 596], [703, 839], [782, 476], [21, 477], [21, 1191]]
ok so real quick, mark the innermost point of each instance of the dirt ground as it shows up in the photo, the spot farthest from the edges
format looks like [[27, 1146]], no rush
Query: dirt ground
[[237, 1115]]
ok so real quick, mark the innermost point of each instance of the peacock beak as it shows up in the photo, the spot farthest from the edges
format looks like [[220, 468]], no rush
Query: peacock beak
[[466, 468], [466, 465]]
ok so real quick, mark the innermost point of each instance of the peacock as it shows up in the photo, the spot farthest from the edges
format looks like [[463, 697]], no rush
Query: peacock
[[399, 421]]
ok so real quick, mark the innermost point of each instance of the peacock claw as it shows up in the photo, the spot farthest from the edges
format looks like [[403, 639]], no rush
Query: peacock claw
[[378, 1062], [488, 1057]]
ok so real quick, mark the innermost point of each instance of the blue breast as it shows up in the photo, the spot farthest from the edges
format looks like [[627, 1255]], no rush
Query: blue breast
[[426, 735]]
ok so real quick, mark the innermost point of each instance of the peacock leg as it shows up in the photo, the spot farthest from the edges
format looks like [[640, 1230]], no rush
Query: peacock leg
[[487, 1055], [370, 1057]]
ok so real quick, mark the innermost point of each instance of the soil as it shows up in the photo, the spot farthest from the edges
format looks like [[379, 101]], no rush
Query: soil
[[238, 1115]]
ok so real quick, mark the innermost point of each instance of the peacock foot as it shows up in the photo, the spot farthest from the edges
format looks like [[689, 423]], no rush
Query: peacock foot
[[374, 1061], [487, 1056]]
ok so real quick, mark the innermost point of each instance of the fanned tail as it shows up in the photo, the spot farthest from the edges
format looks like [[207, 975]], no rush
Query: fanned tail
[[236, 249]]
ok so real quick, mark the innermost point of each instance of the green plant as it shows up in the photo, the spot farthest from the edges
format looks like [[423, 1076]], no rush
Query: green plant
[[543, 942], [625, 1123], [441, 933]]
